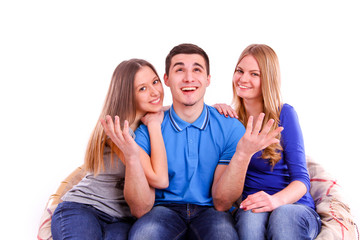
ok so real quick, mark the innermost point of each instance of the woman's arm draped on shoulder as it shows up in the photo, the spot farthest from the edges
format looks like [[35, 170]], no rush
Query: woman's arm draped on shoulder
[[138, 194], [225, 110], [155, 167], [229, 180]]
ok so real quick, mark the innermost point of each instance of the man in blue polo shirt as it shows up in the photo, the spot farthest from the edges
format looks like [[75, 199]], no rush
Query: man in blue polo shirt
[[203, 182], [198, 142]]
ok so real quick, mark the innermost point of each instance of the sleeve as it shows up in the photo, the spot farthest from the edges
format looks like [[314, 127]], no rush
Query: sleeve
[[293, 146], [143, 138], [234, 134]]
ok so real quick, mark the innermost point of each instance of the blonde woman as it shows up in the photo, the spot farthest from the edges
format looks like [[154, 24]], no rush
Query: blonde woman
[[96, 207], [276, 200]]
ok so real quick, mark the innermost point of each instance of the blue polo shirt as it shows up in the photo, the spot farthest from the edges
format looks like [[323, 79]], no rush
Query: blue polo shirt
[[193, 152]]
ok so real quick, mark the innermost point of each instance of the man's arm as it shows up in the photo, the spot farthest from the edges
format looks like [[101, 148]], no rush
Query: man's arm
[[138, 194], [229, 180]]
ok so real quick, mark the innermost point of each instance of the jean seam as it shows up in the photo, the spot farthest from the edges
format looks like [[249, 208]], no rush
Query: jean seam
[[62, 228], [180, 235], [195, 232]]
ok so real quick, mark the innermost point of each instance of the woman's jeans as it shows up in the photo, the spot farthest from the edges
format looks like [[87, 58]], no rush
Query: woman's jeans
[[184, 221], [292, 221], [80, 221]]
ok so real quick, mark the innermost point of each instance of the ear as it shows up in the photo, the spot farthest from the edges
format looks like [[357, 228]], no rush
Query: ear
[[166, 79], [208, 80]]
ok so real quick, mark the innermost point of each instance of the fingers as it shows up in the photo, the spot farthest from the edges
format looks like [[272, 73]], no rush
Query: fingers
[[249, 126], [108, 126], [258, 124], [257, 202], [118, 131], [113, 130], [225, 110], [153, 117], [125, 132], [104, 125], [266, 129]]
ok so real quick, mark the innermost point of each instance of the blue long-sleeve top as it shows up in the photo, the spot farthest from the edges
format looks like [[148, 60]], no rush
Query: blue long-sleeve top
[[292, 166]]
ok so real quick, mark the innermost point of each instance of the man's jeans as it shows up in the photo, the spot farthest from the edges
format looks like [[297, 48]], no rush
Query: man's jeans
[[292, 221], [80, 221], [184, 221]]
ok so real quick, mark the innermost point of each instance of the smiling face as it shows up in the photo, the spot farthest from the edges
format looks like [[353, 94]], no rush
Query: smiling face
[[246, 79], [188, 80], [149, 92]]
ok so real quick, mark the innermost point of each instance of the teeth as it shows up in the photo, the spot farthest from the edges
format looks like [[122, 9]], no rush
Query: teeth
[[244, 87], [188, 89], [156, 100]]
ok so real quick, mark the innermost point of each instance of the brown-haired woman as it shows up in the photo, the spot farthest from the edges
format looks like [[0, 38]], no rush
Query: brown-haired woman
[[96, 207]]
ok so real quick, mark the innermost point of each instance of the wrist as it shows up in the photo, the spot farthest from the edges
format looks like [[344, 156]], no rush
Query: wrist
[[242, 155], [154, 124], [132, 159]]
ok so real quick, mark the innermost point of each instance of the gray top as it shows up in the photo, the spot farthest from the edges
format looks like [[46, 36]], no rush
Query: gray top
[[105, 191]]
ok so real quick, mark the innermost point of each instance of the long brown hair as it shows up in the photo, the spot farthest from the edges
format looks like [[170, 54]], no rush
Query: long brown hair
[[270, 87], [120, 101]]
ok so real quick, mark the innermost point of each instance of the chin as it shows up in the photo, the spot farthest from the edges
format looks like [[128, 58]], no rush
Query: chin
[[155, 109]]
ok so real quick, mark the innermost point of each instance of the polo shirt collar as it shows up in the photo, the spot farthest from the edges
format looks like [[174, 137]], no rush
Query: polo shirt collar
[[180, 124]]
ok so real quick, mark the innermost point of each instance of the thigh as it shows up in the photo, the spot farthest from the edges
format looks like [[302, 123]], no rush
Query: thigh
[[294, 221], [160, 223], [251, 225], [118, 230], [75, 221], [212, 224]]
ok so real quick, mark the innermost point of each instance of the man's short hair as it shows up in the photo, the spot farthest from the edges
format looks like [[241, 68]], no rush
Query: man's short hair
[[186, 48]]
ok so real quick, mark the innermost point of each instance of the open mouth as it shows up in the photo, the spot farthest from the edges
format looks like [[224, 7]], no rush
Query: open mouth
[[243, 87], [156, 101], [188, 89]]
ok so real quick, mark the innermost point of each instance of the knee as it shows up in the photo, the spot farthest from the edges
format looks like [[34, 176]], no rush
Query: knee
[[145, 230], [293, 221], [251, 225], [286, 213]]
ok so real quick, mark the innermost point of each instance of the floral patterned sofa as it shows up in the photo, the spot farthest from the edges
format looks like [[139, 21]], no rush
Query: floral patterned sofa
[[337, 221]]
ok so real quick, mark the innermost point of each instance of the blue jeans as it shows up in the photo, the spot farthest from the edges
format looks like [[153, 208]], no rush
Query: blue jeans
[[292, 221], [184, 221], [80, 221]]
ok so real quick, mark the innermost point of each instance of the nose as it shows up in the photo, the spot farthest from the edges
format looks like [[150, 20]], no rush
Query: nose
[[154, 92], [244, 78], [189, 76]]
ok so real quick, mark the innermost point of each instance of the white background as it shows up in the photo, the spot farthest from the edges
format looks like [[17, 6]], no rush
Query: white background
[[57, 58]]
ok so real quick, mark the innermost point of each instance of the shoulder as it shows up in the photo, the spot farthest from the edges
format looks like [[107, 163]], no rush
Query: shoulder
[[290, 121], [287, 112], [224, 122], [287, 108], [141, 129]]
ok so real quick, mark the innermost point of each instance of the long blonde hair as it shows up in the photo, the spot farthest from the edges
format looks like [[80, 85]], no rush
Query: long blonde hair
[[270, 88], [120, 101]]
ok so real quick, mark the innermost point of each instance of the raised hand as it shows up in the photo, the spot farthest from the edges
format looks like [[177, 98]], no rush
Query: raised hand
[[226, 110], [121, 139], [255, 140]]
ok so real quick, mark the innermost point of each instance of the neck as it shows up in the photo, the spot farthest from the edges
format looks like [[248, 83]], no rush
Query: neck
[[136, 123], [254, 108], [189, 113]]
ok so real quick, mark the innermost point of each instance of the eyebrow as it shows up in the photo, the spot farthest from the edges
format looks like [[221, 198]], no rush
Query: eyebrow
[[254, 70], [143, 83], [182, 64]]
